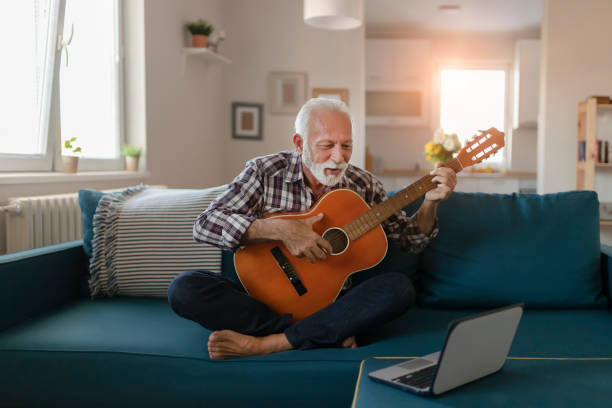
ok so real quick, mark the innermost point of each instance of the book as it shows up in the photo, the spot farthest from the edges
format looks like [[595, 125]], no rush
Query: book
[[581, 150], [606, 152], [598, 150]]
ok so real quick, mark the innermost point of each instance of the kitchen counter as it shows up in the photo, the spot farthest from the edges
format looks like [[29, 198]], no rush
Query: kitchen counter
[[501, 183], [420, 173]]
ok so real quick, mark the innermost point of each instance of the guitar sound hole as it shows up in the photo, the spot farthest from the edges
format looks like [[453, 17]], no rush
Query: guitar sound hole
[[338, 240]]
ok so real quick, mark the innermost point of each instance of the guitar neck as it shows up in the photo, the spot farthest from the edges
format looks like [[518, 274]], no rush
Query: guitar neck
[[380, 212]]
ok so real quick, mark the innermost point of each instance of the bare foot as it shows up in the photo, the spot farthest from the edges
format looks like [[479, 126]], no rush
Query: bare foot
[[224, 344], [349, 342]]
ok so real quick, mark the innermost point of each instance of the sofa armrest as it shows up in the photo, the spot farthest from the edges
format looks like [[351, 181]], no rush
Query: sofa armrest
[[35, 281], [606, 271]]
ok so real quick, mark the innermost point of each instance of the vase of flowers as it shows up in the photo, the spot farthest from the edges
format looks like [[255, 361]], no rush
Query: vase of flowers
[[215, 40], [442, 147]]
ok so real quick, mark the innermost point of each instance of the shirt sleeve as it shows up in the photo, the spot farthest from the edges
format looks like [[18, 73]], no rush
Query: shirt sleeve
[[402, 228], [229, 216]]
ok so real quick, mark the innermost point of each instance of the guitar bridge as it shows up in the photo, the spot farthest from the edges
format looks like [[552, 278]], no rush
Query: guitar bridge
[[286, 267]]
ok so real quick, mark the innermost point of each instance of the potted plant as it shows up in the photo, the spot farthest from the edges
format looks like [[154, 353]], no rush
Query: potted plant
[[200, 30], [70, 161], [132, 156]]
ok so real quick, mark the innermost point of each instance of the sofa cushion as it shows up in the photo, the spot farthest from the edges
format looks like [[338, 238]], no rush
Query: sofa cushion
[[88, 201], [143, 239], [98, 346], [89, 350], [496, 249]]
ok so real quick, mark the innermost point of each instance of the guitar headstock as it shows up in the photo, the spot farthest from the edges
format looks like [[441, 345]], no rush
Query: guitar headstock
[[481, 146]]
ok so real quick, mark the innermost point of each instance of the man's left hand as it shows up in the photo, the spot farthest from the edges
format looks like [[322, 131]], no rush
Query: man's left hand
[[446, 179]]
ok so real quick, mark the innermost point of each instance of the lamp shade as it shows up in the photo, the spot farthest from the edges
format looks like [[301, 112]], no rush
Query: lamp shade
[[333, 14]]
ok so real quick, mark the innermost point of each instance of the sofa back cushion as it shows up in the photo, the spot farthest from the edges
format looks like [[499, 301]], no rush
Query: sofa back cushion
[[88, 201], [496, 249], [143, 238]]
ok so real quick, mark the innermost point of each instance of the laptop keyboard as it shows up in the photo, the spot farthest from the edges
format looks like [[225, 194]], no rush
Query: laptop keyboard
[[418, 379]]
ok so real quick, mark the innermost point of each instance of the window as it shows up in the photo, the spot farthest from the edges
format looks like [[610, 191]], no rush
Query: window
[[473, 99], [60, 86]]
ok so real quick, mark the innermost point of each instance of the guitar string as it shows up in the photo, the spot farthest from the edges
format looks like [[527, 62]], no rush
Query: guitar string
[[385, 209]]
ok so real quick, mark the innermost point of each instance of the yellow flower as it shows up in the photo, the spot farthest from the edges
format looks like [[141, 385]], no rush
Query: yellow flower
[[429, 147]]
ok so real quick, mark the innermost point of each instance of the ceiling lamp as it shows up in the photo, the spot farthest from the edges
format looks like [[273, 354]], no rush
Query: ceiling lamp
[[333, 14]]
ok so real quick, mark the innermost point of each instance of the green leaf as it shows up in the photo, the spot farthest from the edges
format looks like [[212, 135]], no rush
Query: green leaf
[[77, 150]]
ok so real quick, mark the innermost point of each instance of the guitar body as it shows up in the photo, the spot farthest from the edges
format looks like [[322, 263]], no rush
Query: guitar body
[[263, 277]]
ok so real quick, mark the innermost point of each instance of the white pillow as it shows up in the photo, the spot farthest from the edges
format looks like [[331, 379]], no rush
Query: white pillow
[[143, 239]]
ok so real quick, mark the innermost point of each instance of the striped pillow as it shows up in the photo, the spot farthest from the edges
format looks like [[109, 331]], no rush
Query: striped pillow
[[143, 239]]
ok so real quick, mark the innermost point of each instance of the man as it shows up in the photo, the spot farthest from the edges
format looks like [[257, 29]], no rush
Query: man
[[293, 181]]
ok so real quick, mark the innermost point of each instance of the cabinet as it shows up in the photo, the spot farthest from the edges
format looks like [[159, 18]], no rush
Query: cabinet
[[397, 64], [526, 83], [397, 82], [587, 166]]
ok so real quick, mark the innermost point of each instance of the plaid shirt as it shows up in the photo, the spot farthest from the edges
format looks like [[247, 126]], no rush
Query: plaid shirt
[[275, 183]]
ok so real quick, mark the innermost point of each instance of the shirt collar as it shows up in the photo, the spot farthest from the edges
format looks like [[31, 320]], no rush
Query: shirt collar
[[294, 169]]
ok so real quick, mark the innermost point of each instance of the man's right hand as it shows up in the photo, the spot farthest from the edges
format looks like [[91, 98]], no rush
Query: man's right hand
[[300, 239], [297, 235]]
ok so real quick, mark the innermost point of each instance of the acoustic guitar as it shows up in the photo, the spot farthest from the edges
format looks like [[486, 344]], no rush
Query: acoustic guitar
[[288, 284]]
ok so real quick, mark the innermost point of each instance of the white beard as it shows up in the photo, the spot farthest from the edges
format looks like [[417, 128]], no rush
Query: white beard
[[318, 169]]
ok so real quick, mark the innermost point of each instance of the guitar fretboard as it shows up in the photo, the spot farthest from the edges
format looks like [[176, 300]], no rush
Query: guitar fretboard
[[380, 212]]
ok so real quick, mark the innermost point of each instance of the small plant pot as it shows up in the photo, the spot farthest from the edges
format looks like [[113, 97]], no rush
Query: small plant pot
[[131, 163], [70, 164], [199, 40]]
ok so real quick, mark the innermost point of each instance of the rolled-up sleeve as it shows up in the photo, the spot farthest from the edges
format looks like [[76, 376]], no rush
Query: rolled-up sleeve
[[403, 229], [228, 217]]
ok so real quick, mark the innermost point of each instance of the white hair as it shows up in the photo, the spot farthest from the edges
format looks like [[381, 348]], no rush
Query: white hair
[[303, 117]]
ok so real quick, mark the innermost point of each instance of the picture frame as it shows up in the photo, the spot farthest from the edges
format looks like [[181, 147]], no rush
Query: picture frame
[[331, 93], [247, 120], [287, 91]]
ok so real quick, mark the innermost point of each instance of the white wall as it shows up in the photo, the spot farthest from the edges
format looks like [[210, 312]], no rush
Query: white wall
[[270, 35], [185, 140], [576, 63]]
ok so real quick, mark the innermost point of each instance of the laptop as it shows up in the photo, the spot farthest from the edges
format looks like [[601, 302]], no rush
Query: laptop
[[475, 346]]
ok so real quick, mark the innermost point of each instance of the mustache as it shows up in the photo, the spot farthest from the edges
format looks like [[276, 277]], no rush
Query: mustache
[[334, 166]]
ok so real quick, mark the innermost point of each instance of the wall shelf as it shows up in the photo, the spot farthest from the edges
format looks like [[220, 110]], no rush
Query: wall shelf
[[205, 53]]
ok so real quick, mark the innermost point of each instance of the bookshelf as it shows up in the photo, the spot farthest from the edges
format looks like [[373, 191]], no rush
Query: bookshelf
[[587, 133], [588, 166]]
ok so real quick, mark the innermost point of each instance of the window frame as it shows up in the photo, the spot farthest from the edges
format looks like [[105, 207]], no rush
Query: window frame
[[51, 160], [501, 65], [44, 162]]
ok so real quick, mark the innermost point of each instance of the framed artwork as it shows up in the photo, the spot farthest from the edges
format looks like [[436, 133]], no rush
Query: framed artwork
[[286, 91], [247, 120], [331, 93]]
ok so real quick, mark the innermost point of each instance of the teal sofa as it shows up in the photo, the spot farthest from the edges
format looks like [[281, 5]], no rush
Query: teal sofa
[[58, 348]]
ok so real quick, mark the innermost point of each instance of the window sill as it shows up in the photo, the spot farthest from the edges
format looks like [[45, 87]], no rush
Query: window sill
[[59, 177]]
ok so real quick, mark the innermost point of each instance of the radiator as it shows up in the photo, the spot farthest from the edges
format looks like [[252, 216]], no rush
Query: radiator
[[33, 222]]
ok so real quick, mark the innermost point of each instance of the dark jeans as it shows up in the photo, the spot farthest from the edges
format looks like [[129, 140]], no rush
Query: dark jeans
[[218, 303]]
